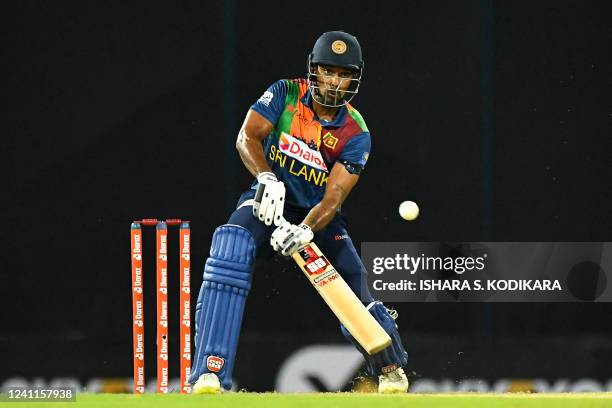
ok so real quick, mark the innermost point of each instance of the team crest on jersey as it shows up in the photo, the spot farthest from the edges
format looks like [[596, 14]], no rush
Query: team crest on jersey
[[330, 140], [295, 148]]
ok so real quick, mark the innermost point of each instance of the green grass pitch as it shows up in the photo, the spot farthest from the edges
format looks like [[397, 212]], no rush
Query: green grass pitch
[[339, 400]]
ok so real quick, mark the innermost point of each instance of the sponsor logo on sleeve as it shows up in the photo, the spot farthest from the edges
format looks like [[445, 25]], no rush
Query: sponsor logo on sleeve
[[266, 98], [364, 158]]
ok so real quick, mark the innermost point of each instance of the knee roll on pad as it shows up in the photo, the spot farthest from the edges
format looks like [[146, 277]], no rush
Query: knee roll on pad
[[227, 281], [392, 357]]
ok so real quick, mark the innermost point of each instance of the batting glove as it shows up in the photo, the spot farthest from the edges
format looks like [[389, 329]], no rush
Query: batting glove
[[269, 199], [288, 238]]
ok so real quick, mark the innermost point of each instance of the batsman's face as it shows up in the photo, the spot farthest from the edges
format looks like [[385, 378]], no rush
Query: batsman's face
[[333, 81]]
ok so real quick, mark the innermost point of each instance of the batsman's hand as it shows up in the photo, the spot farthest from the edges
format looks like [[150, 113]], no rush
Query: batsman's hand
[[288, 238], [269, 199]]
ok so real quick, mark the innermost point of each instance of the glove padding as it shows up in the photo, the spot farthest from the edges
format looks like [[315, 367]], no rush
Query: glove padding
[[288, 238], [269, 199]]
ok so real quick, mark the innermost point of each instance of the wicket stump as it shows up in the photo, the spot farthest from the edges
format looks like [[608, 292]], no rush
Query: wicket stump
[[162, 303]]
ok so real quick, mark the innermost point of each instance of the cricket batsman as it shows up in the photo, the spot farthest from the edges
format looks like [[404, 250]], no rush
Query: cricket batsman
[[306, 146]]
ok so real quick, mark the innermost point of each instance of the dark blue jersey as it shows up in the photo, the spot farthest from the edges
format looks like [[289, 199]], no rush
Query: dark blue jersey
[[302, 149]]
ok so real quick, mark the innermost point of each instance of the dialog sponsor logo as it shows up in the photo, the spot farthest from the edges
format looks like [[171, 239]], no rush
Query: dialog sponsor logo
[[300, 151]]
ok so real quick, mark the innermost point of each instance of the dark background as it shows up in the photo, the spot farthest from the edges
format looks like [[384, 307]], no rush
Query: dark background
[[494, 116]]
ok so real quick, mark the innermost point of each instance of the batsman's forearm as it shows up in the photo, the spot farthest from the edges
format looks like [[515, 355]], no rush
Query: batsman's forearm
[[319, 216], [252, 154]]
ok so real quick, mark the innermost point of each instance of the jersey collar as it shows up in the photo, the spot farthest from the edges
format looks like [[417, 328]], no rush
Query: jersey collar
[[338, 120]]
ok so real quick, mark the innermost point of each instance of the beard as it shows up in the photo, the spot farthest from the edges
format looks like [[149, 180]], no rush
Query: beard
[[330, 95]]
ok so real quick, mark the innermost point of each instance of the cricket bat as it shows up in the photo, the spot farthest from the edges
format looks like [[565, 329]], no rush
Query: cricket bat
[[341, 300]]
